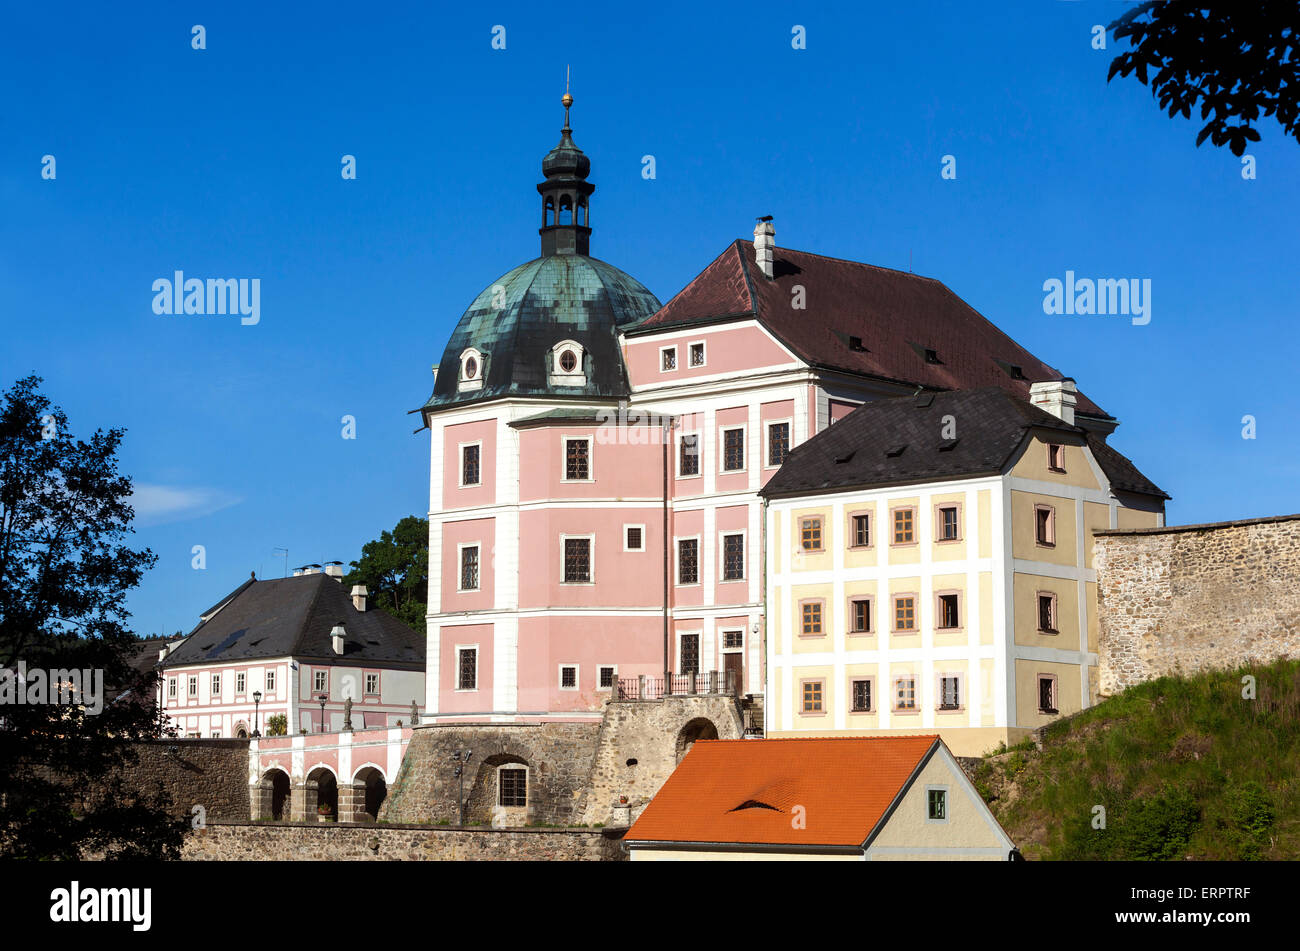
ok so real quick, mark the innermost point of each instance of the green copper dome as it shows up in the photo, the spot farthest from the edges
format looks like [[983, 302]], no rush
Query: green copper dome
[[514, 325]]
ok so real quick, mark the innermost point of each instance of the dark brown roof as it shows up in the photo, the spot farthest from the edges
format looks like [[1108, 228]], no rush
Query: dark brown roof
[[897, 317], [285, 617], [900, 441]]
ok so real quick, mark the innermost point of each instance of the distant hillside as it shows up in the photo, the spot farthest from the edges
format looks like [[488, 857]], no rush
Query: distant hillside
[[1184, 767]]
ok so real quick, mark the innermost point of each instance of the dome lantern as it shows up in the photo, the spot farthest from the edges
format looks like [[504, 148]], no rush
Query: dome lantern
[[566, 194]]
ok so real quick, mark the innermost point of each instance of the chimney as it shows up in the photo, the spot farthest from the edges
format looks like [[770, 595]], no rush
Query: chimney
[[335, 570], [337, 637], [359, 593], [764, 244], [1056, 397]]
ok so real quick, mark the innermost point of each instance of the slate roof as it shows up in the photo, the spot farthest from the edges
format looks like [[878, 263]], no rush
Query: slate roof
[[549, 299], [744, 791], [285, 617], [901, 440], [897, 316]]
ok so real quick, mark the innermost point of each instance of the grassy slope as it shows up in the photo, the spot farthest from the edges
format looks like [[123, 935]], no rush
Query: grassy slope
[[1185, 768]]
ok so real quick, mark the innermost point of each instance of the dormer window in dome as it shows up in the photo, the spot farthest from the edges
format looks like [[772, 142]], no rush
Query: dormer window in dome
[[471, 370], [567, 364]]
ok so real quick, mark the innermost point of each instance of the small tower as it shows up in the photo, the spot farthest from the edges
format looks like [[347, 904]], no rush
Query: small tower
[[566, 225]]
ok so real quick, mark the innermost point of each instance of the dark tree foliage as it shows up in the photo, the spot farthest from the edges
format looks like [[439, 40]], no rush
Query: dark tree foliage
[[395, 570], [1239, 61], [64, 575]]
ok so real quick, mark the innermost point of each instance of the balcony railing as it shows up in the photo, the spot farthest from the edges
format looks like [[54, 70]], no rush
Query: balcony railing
[[723, 683]]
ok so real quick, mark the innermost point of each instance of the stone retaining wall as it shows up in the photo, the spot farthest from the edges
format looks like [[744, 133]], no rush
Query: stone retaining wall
[[329, 841]]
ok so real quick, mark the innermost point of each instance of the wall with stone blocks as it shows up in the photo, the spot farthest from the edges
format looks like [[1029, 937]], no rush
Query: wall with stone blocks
[[284, 842], [1196, 597]]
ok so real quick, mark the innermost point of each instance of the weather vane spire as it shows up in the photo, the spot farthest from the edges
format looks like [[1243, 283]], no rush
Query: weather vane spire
[[566, 99]]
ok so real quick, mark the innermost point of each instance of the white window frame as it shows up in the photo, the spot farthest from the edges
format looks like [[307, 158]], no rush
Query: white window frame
[[565, 439], [947, 802], [676, 365], [471, 383], [270, 680], [456, 673], [722, 449], [722, 640], [704, 354], [460, 568], [767, 440], [577, 677], [317, 673], [460, 475], [677, 561], [722, 556], [215, 684], [699, 454], [610, 688], [557, 375], [591, 559], [192, 687], [628, 525], [173, 688], [365, 683], [241, 683]]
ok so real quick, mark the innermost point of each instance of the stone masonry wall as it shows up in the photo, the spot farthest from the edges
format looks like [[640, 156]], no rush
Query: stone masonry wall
[[285, 842], [1196, 597], [558, 756]]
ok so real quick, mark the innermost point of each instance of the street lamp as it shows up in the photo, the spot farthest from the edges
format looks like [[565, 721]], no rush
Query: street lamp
[[322, 698], [461, 759], [257, 724]]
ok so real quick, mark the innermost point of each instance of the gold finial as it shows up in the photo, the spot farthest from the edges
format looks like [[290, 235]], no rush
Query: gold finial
[[566, 99]]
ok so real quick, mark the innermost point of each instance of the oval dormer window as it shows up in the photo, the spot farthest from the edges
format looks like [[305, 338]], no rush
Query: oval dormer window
[[565, 364], [568, 361], [471, 370]]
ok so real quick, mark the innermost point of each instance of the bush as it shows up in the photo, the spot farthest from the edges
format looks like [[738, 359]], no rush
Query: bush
[[1250, 820], [1159, 827]]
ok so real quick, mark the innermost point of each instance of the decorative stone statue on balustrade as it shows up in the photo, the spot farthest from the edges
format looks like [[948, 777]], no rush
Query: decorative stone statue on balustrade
[[415, 714], [347, 714]]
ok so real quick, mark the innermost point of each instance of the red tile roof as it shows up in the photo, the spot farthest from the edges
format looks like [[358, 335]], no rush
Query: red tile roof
[[745, 791], [896, 315]]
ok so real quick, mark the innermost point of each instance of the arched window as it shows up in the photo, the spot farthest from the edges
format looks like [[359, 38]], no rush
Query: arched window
[[582, 213], [471, 369], [566, 210], [548, 212]]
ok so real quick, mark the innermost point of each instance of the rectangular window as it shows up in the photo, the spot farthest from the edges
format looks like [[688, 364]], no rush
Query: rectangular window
[[577, 460], [861, 616], [1045, 525], [733, 640], [905, 693], [270, 681], [778, 443], [605, 676], [948, 613], [372, 685], [688, 456], [862, 696], [947, 523], [469, 568], [812, 617], [733, 557], [239, 684], [577, 560], [1047, 613], [320, 681], [861, 527], [513, 787], [668, 359], [688, 561], [171, 687], [193, 687], [812, 696], [697, 354], [904, 529], [936, 805], [949, 693], [216, 686], [690, 654], [467, 669], [634, 538], [469, 465], [810, 534], [568, 677], [733, 449], [905, 614], [1046, 694], [1056, 457]]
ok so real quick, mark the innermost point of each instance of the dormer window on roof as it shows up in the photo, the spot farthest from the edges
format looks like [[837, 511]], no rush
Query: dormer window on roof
[[855, 344], [471, 370], [566, 364]]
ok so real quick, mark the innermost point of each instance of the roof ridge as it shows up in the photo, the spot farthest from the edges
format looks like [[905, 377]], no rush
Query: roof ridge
[[874, 267]]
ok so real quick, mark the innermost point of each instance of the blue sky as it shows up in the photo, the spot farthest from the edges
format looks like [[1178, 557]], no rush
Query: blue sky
[[226, 163]]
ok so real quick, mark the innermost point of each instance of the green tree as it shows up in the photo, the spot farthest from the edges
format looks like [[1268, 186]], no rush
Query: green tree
[[395, 570], [277, 725], [1237, 61], [64, 575]]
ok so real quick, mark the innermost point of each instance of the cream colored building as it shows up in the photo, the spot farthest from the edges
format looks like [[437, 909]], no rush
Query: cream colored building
[[929, 567]]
